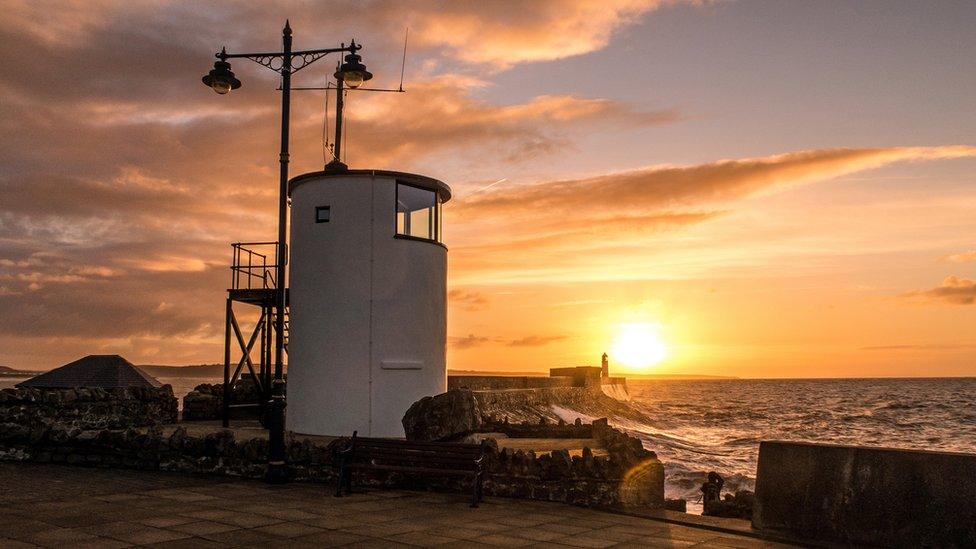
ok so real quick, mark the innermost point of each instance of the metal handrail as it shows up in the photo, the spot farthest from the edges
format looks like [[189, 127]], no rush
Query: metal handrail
[[250, 268]]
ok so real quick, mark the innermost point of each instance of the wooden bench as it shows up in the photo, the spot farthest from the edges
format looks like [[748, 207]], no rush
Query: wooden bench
[[420, 458]]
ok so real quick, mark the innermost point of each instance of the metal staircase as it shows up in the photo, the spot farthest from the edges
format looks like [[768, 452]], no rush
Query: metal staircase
[[253, 283], [287, 329]]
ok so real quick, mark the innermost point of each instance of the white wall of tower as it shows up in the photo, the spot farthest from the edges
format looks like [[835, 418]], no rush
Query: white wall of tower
[[368, 310]]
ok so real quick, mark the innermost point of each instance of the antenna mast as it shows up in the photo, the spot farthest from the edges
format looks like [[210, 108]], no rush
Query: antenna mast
[[403, 62]]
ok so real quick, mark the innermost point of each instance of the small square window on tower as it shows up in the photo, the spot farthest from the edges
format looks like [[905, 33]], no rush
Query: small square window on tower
[[321, 214]]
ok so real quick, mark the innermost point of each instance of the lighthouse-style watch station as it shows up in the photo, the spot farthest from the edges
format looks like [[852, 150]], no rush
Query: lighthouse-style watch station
[[368, 294]]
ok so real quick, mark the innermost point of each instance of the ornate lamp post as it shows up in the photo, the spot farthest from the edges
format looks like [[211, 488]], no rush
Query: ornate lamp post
[[222, 80]]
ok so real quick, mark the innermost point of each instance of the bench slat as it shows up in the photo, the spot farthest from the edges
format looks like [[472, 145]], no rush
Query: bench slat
[[401, 442], [452, 472], [445, 449], [424, 464], [430, 458], [389, 452]]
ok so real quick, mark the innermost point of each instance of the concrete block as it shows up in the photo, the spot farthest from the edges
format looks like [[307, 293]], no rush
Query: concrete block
[[863, 495]]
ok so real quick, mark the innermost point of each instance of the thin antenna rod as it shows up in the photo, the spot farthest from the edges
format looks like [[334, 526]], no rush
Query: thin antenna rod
[[325, 131], [345, 134], [403, 62]]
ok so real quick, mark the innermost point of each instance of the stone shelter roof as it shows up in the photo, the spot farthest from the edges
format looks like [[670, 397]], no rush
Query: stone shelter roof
[[104, 371]]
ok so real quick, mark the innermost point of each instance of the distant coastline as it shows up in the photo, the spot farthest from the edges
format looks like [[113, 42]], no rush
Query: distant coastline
[[217, 370], [626, 375], [7, 371], [198, 370]]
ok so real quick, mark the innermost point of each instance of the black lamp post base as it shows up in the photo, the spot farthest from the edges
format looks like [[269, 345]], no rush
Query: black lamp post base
[[277, 472]]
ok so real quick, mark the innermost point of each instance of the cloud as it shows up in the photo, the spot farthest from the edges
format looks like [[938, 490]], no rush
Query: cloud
[[962, 257], [469, 301], [586, 227], [467, 342], [471, 341], [120, 191], [501, 34], [660, 187], [534, 341], [123, 179], [953, 290], [917, 347], [441, 114]]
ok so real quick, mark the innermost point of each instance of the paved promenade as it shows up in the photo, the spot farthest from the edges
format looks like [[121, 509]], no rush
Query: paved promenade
[[61, 506]]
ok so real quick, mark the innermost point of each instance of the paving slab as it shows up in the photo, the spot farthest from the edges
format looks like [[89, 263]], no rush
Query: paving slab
[[119, 508]]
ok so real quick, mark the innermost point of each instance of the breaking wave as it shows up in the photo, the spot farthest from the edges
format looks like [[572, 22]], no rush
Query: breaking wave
[[716, 425]]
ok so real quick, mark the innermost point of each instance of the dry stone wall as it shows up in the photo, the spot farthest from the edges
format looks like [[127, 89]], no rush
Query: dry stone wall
[[155, 448], [205, 401], [616, 480], [88, 408], [128, 428]]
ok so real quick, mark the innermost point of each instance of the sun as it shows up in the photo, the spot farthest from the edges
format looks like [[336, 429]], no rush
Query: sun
[[639, 345]]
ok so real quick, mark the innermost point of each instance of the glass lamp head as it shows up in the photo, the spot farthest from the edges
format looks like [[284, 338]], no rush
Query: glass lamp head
[[221, 79], [352, 72]]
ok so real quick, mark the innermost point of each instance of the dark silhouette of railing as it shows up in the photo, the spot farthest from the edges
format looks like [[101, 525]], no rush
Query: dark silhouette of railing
[[253, 272], [251, 269]]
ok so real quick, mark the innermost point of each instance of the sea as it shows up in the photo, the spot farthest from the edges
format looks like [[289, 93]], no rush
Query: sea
[[698, 426]]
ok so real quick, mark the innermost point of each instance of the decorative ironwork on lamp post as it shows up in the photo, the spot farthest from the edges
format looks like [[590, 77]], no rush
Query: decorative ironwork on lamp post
[[221, 79]]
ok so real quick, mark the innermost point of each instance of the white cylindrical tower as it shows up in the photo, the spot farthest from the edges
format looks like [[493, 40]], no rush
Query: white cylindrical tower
[[367, 299]]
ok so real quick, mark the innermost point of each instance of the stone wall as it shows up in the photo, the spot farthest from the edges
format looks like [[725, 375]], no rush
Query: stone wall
[[206, 400], [164, 449], [127, 428], [88, 408], [497, 383], [542, 429], [627, 476], [857, 495], [505, 383]]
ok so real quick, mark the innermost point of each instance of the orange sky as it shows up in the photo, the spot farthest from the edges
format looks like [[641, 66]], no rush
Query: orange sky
[[783, 189]]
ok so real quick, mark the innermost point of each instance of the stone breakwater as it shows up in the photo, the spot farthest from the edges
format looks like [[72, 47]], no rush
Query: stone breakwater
[[85, 408], [461, 411]]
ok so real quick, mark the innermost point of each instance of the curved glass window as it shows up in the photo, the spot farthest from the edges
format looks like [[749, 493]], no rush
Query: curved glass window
[[418, 213]]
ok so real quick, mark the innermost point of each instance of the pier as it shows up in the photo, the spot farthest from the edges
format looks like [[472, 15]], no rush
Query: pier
[[59, 506]]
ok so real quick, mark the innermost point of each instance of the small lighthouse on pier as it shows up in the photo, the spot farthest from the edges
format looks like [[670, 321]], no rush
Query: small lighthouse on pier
[[368, 300], [354, 292]]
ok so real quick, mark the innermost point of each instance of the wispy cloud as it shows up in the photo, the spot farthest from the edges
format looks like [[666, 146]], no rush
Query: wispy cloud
[[953, 290], [469, 301], [471, 341], [467, 342], [573, 225], [441, 114], [920, 347], [534, 341], [500, 34], [962, 257]]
